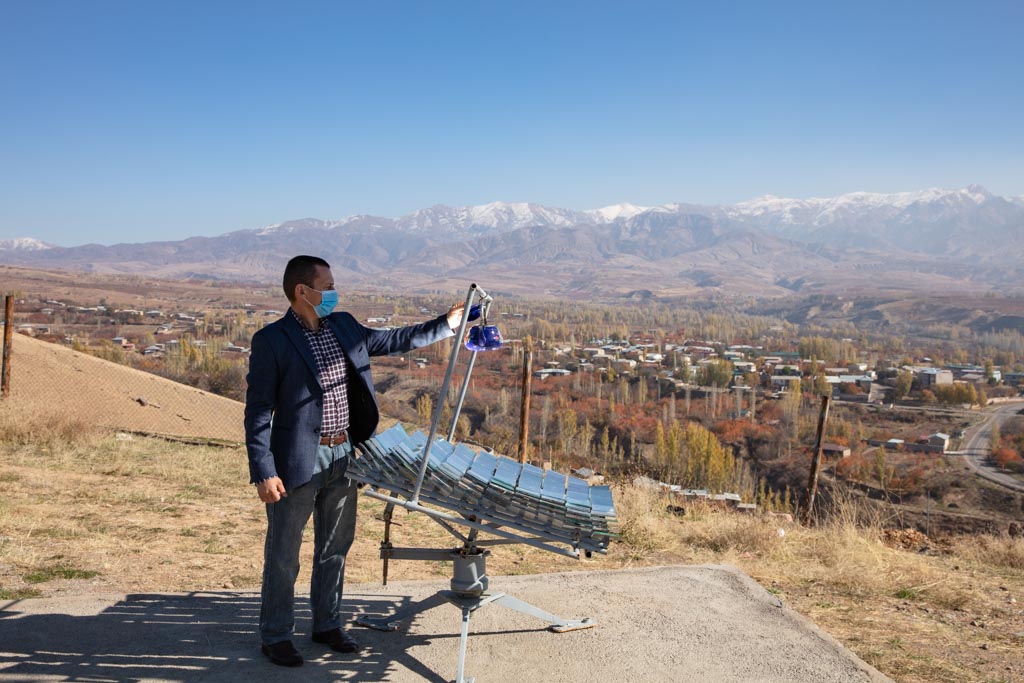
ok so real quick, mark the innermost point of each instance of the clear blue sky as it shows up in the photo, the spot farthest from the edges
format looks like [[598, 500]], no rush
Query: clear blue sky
[[137, 121]]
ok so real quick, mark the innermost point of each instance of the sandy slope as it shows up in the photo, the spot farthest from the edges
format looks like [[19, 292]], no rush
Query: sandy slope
[[106, 394]]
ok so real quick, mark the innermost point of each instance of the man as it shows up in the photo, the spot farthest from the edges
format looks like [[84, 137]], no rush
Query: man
[[309, 399]]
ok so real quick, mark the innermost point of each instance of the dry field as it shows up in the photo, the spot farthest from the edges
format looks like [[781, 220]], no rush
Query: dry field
[[87, 511]]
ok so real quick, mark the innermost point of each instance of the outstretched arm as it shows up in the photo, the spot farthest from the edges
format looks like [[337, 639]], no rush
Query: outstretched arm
[[383, 342]]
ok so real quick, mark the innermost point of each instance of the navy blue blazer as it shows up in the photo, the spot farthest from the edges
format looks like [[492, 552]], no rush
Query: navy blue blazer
[[284, 399]]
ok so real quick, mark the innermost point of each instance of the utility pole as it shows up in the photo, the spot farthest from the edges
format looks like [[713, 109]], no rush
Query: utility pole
[[5, 374], [524, 409], [812, 481]]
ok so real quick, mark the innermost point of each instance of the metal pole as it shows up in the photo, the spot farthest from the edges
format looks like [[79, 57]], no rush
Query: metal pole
[[5, 375], [462, 397], [444, 390], [524, 408], [485, 306], [812, 481], [460, 674]]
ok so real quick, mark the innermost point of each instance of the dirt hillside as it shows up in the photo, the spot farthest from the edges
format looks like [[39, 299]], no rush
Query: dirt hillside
[[110, 395]]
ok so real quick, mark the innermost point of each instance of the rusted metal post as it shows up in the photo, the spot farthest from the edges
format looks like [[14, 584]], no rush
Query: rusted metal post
[[812, 481], [5, 375], [524, 408]]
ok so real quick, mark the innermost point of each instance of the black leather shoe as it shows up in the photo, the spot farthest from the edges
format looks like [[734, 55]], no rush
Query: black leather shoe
[[282, 654], [337, 640]]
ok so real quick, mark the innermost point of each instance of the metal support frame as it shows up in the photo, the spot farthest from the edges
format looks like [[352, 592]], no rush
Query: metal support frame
[[439, 517], [469, 581]]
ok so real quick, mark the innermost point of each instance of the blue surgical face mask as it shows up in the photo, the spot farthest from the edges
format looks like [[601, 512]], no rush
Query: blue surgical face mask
[[328, 300]]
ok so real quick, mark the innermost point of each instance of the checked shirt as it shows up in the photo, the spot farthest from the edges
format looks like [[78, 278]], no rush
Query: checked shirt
[[332, 373]]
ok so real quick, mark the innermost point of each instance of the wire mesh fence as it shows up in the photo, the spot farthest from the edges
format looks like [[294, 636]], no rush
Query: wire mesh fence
[[125, 370]]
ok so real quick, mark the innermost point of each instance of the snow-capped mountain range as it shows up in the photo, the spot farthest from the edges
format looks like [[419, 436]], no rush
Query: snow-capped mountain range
[[963, 236], [849, 218], [23, 244]]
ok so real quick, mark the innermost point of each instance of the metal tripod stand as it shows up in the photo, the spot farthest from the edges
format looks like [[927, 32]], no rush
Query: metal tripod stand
[[468, 593]]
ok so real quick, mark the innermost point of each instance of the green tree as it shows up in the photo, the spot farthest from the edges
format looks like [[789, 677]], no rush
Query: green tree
[[717, 373], [708, 464], [822, 387], [904, 381], [568, 426], [424, 409]]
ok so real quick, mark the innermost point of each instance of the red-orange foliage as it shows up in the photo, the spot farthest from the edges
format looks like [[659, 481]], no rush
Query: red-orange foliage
[[1006, 458], [731, 431], [643, 426], [855, 467], [768, 411]]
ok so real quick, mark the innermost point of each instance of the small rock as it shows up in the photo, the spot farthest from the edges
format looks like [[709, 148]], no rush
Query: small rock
[[228, 585], [984, 646], [141, 401], [1012, 601]]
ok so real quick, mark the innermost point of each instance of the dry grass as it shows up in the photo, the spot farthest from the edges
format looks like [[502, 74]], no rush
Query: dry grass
[[999, 553], [88, 511], [49, 433]]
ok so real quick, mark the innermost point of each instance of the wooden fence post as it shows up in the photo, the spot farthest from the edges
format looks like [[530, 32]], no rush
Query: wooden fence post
[[524, 409], [5, 374], [812, 481]]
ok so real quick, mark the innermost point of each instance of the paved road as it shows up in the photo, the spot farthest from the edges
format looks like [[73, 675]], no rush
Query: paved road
[[976, 447], [700, 623]]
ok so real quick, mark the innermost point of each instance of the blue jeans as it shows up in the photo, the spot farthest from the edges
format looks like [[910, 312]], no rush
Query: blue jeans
[[331, 499]]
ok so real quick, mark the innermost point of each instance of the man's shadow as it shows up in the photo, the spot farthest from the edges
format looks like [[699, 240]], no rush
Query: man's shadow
[[201, 636]]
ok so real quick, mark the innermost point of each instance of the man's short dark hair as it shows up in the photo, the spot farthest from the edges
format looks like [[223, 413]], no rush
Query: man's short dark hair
[[300, 271]]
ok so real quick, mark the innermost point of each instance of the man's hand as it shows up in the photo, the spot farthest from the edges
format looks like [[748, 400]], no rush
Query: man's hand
[[455, 315], [271, 490]]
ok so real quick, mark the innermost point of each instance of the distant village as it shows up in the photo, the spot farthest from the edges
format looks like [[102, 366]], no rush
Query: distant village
[[736, 383], [685, 364]]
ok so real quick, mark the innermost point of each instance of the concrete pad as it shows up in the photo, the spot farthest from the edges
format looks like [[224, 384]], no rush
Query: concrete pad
[[706, 623]]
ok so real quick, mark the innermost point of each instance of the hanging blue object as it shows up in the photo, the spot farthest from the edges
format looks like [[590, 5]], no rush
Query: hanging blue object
[[484, 338]]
